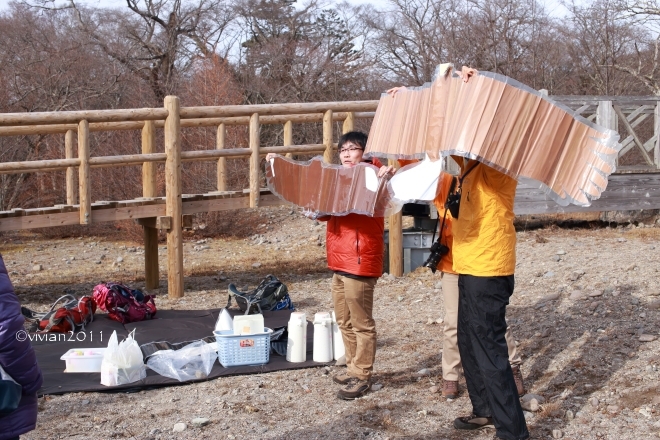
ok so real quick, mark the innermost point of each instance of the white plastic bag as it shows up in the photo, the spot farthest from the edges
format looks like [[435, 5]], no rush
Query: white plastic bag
[[122, 362], [194, 361], [224, 323]]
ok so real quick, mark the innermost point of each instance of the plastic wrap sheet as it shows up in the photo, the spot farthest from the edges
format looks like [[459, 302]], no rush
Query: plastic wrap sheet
[[328, 189], [416, 182], [503, 123]]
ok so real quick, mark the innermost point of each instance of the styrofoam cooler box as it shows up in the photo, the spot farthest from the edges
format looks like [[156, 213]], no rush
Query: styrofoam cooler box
[[83, 360]]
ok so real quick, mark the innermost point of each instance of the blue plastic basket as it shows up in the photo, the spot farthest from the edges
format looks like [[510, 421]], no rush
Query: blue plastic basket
[[253, 349]]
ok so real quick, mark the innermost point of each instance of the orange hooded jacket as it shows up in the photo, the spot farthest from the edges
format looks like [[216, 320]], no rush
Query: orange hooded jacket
[[484, 236]]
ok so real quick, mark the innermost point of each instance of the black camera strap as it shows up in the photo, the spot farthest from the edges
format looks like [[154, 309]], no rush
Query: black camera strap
[[444, 217], [452, 188], [460, 179], [468, 171]]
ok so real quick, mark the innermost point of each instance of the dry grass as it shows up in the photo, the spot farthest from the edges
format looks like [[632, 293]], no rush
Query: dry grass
[[551, 410], [650, 234]]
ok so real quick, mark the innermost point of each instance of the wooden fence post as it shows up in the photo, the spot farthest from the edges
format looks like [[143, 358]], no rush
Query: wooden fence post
[[606, 117], [151, 275], [173, 198], [71, 171], [288, 136], [85, 189], [396, 237], [349, 123], [148, 168], [327, 136], [656, 131], [254, 160], [222, 162]]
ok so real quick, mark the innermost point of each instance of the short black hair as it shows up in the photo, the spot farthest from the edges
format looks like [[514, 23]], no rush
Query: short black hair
[[355, 137]]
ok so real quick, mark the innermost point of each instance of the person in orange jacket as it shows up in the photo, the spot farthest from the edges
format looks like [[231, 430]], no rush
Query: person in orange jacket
[[484, 256], [354, 246], [451, 358]]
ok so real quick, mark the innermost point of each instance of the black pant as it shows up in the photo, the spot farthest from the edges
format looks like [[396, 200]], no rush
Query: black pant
[[482, 305]]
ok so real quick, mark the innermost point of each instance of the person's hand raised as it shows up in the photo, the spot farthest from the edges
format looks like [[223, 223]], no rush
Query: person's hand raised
[[467, 73], [385, 170], [394, 90]]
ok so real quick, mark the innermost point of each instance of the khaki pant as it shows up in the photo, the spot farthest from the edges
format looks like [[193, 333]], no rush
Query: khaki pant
[[451, 359], [354, 300]]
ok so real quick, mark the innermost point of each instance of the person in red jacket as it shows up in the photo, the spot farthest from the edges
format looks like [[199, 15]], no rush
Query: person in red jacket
[[354, 245]]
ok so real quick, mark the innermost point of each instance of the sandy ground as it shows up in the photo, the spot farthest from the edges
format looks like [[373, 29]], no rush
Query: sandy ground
[[585, 301]]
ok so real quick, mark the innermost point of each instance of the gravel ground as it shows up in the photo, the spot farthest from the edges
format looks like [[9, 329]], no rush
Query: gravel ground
[[585, 313]]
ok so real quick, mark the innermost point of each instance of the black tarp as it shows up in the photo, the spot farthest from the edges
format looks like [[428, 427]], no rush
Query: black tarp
[[170, 325]]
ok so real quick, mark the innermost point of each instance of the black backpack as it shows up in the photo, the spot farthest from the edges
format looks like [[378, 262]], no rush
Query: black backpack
[[270, 294]]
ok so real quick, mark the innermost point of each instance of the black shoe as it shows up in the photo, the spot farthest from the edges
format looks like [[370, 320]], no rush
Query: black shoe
[[355, 388], [473, 422]]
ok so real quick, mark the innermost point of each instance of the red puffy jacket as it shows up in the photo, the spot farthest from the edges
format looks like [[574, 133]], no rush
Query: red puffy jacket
[[354, 244]]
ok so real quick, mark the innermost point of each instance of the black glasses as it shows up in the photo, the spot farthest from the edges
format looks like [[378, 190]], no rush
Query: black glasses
[[344, 150]]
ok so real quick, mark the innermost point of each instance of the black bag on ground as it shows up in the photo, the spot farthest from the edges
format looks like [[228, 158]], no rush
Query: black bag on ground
[[270, 294]]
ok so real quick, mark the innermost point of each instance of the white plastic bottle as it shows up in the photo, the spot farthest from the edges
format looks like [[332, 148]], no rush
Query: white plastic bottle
[[322, 337], [296, 344]]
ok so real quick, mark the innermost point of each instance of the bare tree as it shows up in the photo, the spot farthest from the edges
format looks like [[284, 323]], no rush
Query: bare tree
[[297, 54], [644, 65], [414, 36], [46, 64], [156, 40], [505, 34], [603, 43]]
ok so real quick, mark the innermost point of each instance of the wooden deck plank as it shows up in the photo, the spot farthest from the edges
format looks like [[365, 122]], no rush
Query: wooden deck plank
[[625, 192], [104, 212], [216, 205]]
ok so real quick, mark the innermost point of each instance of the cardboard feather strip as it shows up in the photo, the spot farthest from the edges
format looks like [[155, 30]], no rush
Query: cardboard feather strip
[[491, 118], [322, 188], [503, 123]]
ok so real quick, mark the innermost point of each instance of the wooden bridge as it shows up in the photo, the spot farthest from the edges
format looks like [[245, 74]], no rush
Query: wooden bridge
[[638, 189]]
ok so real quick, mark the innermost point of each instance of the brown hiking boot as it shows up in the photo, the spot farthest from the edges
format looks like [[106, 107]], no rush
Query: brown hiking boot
[[518, 378], [355, 388], [342, 378], [450, 389]]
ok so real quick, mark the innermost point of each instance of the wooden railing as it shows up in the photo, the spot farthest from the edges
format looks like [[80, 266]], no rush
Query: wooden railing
[[631, 112], [171, 119], [627, 115]]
